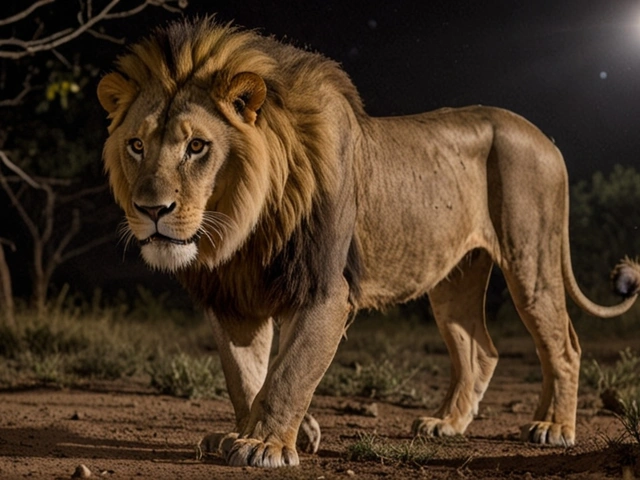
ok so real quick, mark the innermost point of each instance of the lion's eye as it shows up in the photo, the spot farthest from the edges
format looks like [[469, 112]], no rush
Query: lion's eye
[[196, 146], [135, 148]]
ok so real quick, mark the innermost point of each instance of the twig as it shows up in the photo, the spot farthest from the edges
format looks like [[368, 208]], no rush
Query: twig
[[83, 193], [17, 170], [8, 243], [62, 59], [104, 36], [60, 182], [17, 100], [31, 226], [25, 13], [71, 232], [85, 248]]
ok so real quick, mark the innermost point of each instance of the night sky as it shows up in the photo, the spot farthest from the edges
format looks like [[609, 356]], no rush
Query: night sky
[[571, 67]]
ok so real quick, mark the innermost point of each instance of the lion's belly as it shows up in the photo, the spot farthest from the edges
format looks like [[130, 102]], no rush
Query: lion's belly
[[397, 271], [415, 232]]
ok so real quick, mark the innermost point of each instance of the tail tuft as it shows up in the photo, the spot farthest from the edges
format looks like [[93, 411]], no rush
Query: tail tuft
[[625, 278]]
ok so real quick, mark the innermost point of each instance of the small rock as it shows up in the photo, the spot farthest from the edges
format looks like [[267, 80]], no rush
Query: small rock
[[81, 472], [77, 416], [518, 407], [363, 409], [351, 473]]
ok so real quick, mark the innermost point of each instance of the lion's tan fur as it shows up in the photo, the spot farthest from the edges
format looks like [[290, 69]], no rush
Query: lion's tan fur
[[308, 209]]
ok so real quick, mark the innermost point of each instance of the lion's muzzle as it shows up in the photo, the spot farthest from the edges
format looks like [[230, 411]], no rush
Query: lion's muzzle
[[158, 237]]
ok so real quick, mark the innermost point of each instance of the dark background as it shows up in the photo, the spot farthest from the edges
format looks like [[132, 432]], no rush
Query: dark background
[[571, 67], [544, 60]]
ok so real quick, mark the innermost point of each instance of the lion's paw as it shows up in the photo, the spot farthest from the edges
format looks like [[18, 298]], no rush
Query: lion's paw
[[216, 443], [255, 453], [308, 435], [548, 433], [433, 427]]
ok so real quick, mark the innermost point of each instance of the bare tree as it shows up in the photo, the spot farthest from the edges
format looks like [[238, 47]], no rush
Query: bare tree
[[42, 233], [6, 290], [51, 249]]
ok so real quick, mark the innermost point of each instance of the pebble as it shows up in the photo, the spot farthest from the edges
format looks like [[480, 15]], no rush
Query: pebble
[[81, 472]]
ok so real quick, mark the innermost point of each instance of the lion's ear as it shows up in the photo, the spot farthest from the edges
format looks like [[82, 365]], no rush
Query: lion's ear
[[246, 93], [115, 92]]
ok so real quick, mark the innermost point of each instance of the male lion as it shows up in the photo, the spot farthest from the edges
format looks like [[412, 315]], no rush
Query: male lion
[[250, 170]]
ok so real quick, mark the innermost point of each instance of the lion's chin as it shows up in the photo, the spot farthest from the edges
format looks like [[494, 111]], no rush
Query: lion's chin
[[167, 256]]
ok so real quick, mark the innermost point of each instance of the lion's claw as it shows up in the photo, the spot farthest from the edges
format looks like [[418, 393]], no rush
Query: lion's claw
[[255, 453], [433, 427], [217, 443], [308, 435], [548, 433]]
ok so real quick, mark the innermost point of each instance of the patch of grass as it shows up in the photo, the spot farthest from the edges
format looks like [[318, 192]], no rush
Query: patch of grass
[[377, 380], [79, 340], [631, 419], [619, 389], [185, 376], [106, 361], [623, 375], [48, 369], [372, 447]]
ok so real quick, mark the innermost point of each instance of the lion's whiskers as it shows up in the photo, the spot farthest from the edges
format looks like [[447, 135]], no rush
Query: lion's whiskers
[[215, 223], [126, 236]]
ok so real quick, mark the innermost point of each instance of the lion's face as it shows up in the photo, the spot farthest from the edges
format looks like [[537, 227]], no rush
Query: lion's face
[[176, 171], [171, 165]]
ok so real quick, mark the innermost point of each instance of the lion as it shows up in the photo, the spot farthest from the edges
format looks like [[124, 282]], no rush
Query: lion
[[249, 169]]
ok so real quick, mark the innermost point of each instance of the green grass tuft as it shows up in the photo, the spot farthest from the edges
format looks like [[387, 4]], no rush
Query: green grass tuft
[[619, 388], [182, 375], [372, 447], [377, 380]]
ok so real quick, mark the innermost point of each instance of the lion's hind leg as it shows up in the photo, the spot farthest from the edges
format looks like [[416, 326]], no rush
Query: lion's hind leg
[[458, 306], [540, 300]]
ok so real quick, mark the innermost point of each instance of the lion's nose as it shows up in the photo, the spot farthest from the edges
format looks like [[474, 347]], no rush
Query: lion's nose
[[155, 212]]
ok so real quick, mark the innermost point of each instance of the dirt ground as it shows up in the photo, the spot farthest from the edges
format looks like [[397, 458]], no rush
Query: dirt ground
[[125, 430]]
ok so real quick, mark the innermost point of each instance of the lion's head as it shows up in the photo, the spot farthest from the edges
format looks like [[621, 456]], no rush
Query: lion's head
[[209, 143]]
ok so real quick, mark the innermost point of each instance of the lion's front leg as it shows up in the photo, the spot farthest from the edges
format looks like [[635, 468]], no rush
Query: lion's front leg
[[244, 346], [308, 342]]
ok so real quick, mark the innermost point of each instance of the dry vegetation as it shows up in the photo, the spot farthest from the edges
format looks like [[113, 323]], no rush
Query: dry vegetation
[[392, 363]]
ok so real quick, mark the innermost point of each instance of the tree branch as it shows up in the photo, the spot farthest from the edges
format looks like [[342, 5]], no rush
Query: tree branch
[[25, 13], [8, 243], [85, 248], [56, 258], [16, 169], [59, 182], [31, 226], [30, 47], [82, 193], [105, 37], [17, 100]]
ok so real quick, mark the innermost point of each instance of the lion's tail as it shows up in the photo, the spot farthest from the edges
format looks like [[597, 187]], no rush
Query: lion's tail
[[625, 278]]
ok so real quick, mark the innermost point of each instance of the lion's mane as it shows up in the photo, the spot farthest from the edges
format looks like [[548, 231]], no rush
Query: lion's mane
[[290, 139]]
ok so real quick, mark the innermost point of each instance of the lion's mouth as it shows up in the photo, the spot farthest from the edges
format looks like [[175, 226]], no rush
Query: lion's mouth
[[158, 237]]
